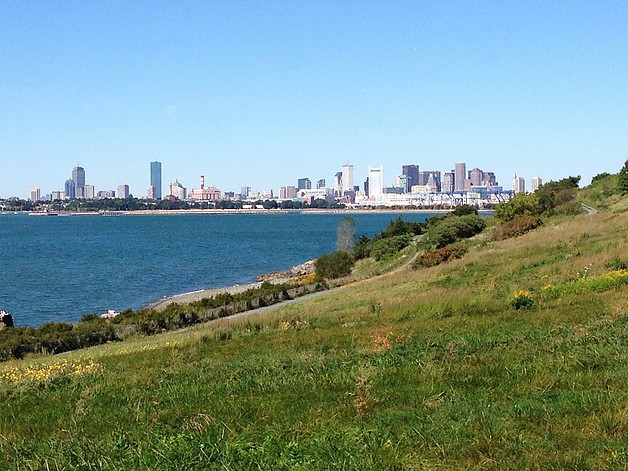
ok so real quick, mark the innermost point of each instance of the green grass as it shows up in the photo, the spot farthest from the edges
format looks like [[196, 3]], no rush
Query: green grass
[[415, 369]]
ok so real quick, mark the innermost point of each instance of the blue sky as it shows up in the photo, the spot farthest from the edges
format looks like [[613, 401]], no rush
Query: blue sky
[[262, 93]]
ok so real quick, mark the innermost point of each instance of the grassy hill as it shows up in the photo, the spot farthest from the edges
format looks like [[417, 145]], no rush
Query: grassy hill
[[417, 369]]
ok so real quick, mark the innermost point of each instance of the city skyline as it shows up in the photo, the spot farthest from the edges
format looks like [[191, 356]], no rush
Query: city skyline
[[262, 94], [409, 175]]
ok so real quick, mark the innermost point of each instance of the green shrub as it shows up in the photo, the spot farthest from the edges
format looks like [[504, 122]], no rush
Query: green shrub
[[452, 229], [616, 264], [388, 247], [522, 300], [334, 265], [362, 248]]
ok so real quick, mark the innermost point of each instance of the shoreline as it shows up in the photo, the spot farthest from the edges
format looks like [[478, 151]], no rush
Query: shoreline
[[306, 211], [278, 277]]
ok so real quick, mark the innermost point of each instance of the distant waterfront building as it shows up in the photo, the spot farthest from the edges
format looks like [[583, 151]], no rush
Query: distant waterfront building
[[430, 177], [89, 192], [245, 191], [78, 177], [347, 177], [70, 189], [320, 184], [155, 179], [123, 191], [460, 171], [476, 176], [177, 190], [204, 194], [449, 182], [304, 184], [34, 194], [518, 184], [376, 181], [57, 195], [411, 171], [366, 187], [402, 182], [106, 194], [338, 184], [287, 192], [536, 183]]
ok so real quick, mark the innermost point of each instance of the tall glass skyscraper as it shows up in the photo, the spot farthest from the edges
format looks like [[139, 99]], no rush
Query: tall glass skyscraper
[[70, 189], [155, 179]]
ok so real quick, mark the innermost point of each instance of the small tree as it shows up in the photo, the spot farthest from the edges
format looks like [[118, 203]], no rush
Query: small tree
[[345, 235], [623, 179]]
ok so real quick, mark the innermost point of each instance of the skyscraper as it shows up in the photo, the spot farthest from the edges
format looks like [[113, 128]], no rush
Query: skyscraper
[[304, 184], [412, 172], [78, 177], [536, 182], [123, 191], [155, 179], [34, 194], [448, 182], [320, 184], [70, 189], [518, 184], [376, 181], [460, 171], [347, 178], [476, 176]]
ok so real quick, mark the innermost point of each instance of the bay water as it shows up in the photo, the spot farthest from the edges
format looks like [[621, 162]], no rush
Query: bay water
[[59, 268]]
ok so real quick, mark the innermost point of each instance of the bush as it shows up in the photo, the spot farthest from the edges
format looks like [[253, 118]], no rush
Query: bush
[[516, 227], [522, 300], [436, 257], [334, 265], [453, 228], [464, 210], [388, 247], [616, 264], [542, 201], [362, 248]]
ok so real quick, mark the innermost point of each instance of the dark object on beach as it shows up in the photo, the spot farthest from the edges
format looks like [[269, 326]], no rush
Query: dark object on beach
[[6, 320]]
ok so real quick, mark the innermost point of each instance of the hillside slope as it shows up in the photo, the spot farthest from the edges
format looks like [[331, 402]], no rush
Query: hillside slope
[[418, 369]]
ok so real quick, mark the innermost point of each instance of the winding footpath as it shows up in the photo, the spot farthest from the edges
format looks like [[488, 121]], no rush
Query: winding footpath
[[319, 294]]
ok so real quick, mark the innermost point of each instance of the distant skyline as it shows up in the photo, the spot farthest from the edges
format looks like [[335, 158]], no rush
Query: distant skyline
[[260, 94]]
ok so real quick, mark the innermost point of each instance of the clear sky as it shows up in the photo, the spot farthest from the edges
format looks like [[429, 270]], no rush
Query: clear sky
[[261, 93]]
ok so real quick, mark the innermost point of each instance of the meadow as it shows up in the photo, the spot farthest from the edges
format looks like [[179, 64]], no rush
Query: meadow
[[514, 356]]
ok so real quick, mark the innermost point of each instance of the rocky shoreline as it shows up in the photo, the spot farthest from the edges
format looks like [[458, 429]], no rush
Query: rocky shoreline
[[278, 277]]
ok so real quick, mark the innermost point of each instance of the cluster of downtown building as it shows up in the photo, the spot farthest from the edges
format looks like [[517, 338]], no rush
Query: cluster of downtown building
[[412, 187]]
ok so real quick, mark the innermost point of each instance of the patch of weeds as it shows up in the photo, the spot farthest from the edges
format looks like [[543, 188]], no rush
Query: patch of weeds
[[522, 299], [616, 264]]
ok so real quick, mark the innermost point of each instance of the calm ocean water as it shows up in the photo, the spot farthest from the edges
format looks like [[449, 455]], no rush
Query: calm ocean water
[[59, 268]]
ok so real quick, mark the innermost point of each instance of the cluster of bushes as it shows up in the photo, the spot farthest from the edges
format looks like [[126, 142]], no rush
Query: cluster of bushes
[[54, 337], [397, 235], [93, 330], [548, 199], [444, 232], [452, 228], [523, 212]]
